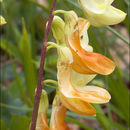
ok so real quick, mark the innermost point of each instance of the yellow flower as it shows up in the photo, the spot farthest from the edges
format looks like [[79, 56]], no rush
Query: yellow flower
[[77, 98], [101, 12], [2, 21], [75, 60]]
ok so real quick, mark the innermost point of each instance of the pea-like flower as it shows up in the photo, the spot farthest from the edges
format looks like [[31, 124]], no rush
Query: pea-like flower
[[101, 12], [84, 60], [77, 98]]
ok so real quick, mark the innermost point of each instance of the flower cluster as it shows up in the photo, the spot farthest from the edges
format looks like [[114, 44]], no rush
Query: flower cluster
[[77, 64]]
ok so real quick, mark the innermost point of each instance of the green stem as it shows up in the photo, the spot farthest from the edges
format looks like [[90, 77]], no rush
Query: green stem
[[45, 82], [53, 44], [118, 35], [22, 93], [59, 11], [49, 81], [49, 47]]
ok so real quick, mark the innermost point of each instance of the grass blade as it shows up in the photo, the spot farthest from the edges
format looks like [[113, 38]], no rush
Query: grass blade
[[29, 70]]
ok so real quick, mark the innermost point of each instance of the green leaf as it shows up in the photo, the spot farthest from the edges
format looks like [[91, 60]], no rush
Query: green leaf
[[2, 125], [29, 70], [11, 49], [19, 85], [19, 122], [108, 124], [105, 122], [117, 111]]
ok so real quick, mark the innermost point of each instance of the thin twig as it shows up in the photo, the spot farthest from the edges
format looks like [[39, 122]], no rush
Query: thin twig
[[41, 70]]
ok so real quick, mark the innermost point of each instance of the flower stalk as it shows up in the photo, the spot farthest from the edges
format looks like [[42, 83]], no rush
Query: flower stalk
[[41, 70]]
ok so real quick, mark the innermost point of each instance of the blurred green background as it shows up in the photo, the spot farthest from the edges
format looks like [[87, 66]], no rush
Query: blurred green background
[[20, 48]]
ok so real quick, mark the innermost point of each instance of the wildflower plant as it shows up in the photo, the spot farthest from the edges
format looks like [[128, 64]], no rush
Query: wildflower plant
[[73, 77], [77, 64]]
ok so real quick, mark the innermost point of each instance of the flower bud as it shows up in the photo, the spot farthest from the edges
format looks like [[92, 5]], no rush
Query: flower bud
[[42, 116], [43, 106], [71, 19], [58, 29], [2, 21]]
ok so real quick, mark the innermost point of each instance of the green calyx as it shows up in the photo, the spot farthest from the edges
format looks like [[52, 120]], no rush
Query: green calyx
[[71, 19], [58, 29], [43, 106]]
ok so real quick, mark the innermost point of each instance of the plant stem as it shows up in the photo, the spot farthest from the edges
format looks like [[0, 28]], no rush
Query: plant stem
[[49, 81], [49, 47], [41, 70], [59, 11], [53, 44], [118, 35]]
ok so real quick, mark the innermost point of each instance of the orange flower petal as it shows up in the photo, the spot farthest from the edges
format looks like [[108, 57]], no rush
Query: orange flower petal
[[78, 106], [57, 121], [42, 122], [88, 62]]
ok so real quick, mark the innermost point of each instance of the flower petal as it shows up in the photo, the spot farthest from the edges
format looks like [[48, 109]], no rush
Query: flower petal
[[83, 25], [78, 106], [57, 121], [95, 94], [42, 122], [95, 6], [101, 13], [88, 62], [81, 79]]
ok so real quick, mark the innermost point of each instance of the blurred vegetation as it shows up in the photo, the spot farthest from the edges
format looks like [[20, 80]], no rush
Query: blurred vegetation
[[21, 42]]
